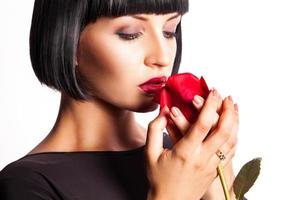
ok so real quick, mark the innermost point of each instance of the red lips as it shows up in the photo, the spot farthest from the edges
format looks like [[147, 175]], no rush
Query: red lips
[[154, 85], [179, 91]]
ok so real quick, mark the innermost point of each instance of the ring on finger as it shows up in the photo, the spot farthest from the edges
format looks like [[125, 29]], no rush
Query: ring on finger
[[220, 155]]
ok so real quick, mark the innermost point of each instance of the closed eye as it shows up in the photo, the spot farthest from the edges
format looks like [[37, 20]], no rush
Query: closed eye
[[169, 35], [129, 36], [133, 36]]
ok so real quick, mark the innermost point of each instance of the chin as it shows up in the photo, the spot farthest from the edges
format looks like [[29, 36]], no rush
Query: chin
[[146, 107]]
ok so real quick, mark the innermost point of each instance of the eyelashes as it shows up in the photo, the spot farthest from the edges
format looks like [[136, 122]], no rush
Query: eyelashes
[[129, 36], [170, 35], [133, 36]]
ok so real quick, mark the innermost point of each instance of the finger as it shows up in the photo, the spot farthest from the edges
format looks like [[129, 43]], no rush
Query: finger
[[227, 148], [215, 161], [219, 106], [229, 156], [198, 102], [154, 142], [225, 127], [232, 141], [205, 119], [179, 120], [219, 110], [222, 155]]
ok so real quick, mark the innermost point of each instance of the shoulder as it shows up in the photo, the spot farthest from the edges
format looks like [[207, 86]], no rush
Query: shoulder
[[22, 180]]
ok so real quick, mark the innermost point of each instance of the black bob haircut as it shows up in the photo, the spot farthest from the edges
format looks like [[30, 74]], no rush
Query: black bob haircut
[[55, 30]]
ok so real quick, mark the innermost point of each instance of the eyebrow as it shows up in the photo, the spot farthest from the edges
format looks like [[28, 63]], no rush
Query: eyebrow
[[146, 19]]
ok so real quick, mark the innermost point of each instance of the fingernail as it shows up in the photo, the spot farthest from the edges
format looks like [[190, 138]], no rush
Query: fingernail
[[214, 92], [236, 107], [198, 100], [175, 111], [230, 98]]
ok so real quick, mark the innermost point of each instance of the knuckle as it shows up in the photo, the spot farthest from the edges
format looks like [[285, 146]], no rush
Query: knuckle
[[225, 132], [152, 125], [181, 156], [199, 165], [204, 124]]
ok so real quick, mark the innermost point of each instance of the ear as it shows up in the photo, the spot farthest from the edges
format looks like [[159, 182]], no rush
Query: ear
[[75, 61]]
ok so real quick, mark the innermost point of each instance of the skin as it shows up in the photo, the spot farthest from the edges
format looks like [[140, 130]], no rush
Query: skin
[[215, 191], [112, 67], [193, 155]]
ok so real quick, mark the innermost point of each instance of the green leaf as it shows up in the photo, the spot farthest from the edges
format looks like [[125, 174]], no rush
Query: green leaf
[[246, 178]]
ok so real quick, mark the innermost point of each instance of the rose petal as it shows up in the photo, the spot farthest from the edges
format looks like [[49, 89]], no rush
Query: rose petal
[[180, 90]]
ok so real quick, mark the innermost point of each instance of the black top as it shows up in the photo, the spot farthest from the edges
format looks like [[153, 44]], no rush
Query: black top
[[111, 175], [90, 175]]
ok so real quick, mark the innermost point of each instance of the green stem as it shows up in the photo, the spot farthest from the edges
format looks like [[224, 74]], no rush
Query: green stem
[[223, 181]]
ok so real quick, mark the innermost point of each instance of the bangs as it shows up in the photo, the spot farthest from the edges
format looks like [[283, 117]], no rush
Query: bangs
[[116, 8]]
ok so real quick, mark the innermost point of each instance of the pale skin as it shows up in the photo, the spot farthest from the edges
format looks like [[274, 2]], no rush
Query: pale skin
[[228, 148], [112, 68]]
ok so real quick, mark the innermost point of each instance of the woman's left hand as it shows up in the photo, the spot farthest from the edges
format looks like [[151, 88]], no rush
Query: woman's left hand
[[179, 125]]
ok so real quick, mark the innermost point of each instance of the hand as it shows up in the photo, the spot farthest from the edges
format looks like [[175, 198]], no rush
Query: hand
[[179, 126], [188, 169]]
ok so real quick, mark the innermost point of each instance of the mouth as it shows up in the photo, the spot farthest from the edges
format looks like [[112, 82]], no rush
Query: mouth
[[154, 85]]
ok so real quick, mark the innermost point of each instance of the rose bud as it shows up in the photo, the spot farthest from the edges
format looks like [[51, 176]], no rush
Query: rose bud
[[179, 91]]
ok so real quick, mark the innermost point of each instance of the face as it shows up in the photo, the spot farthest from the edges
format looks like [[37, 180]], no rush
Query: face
[[116, 55]]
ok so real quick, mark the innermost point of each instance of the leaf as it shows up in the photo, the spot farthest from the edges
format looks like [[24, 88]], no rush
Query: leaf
[[246, 178]]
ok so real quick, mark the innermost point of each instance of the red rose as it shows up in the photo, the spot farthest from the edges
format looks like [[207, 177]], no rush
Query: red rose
[[180, 90]]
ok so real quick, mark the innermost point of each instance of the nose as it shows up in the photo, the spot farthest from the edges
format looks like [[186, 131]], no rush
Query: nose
[[159, 52]]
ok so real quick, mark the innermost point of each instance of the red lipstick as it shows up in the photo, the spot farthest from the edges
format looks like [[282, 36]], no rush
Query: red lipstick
[[154, 85]]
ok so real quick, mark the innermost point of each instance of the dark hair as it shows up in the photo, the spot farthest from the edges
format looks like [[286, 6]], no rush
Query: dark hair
[[56, 26]]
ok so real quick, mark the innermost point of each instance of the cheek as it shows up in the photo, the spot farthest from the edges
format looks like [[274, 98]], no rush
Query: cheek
[[172, 54], [109, 53], [109, 68], [174, 49]]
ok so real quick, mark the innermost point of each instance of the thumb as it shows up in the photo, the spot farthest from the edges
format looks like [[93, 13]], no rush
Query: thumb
[[154, 142]]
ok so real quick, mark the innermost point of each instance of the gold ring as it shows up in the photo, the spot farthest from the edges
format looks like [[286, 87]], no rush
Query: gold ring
[[220, 155]]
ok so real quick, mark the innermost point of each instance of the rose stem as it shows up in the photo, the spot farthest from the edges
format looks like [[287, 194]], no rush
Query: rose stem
[[223, 181]]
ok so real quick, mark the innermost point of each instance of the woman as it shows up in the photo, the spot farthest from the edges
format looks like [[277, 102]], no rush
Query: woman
[[98, 54]]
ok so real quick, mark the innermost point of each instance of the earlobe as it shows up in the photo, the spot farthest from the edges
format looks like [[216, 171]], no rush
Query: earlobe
[[76, 57], [77, 53], [75, 62]]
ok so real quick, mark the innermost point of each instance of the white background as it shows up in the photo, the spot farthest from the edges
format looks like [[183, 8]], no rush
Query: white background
[[249, 49]]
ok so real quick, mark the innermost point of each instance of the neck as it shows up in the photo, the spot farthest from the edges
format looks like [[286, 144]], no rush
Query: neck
[[93, 126]]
